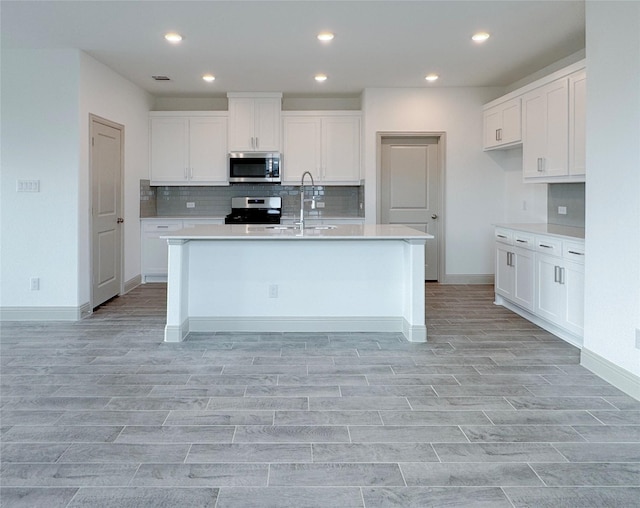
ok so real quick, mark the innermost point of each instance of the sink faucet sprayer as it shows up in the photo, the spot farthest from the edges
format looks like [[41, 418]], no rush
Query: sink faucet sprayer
[[302, 200]]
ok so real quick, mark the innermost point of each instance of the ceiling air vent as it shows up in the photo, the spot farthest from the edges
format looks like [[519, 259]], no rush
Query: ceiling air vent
[[161, 78]]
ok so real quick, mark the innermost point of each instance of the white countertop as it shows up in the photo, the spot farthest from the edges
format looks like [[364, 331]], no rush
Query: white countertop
[[547, 229], [281, 232]]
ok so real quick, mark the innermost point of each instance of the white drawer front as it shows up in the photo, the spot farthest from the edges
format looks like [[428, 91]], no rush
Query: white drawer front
[[504, 236], [169, 225], [549, 245], [524, 240], [573, 251]]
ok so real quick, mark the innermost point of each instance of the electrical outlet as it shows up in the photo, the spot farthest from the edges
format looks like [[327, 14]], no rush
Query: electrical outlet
[[34, 284], [320, 204], [562, 210], [191, 204], [273, 291]]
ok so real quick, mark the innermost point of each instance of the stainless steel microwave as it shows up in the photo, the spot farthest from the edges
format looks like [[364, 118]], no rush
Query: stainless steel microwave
[[255, 167]]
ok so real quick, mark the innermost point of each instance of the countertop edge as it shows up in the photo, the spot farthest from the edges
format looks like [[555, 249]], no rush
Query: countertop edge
[[543, 228]]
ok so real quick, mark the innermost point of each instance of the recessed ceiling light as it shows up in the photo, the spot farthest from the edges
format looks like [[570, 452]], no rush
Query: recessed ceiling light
[[431, 77], [325, 36], [173, 37], [209, 78], [320, 78], [480, 37]]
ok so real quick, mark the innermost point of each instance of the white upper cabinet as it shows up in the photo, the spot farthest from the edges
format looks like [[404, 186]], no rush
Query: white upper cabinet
[[254, 122], [188, 149], [325, 144], [502, 125], [548, 118], [545, 131], [577, 122]]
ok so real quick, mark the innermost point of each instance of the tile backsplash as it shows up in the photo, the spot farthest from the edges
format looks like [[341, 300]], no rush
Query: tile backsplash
[[569, 196], [171, 201]]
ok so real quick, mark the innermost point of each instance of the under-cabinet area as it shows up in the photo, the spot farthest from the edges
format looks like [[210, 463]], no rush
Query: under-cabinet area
[[540, 276]]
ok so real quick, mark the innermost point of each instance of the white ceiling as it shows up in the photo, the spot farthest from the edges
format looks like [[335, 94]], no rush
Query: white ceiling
[[271, 45]]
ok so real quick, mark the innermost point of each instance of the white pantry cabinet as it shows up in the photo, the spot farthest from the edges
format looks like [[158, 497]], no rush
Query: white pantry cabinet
[[254, 122], [541, 277], [188, 148], [327, 144], [503, 125]]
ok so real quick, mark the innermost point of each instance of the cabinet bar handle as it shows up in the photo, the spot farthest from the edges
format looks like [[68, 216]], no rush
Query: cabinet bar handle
[[522, 241], [501, 236], [162, 227], [257, 143], [556, 277], [561, 270], [576, 253], [498, 134], [540, 165], [546, 246]]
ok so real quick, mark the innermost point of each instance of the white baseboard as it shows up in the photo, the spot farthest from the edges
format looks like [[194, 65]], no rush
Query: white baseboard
[[132, 283], [467, 279], [297, 324], [621, 378], [574, 340], [45, 313]]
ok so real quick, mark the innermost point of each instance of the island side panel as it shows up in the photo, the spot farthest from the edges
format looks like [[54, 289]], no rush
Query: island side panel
[[177, 326], [415, 329], [332, 285]]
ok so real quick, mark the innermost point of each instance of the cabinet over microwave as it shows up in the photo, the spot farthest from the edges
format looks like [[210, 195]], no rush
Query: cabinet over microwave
[[255, 167]]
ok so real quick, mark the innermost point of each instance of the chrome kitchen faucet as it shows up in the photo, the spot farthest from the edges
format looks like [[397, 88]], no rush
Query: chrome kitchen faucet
[[302, 200]]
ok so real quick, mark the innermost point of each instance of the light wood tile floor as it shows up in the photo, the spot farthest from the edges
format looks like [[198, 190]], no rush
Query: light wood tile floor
[[492, 411]]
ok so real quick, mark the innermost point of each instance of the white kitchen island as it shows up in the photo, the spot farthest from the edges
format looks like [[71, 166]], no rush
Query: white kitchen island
[[254, 278]]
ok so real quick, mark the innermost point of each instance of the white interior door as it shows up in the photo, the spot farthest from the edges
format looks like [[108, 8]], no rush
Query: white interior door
[[106, 207], [410, 189]]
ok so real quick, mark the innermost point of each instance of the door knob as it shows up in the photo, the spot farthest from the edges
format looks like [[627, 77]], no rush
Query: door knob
[[120, 220], [434, 216]]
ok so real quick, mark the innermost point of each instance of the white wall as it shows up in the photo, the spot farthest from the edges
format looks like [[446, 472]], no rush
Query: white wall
[[475, 181], [40, 141], [47, 96], [612, 285], [107, 94]]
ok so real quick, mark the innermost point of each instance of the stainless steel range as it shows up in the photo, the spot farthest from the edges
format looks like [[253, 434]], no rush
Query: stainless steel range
[[248, 210]]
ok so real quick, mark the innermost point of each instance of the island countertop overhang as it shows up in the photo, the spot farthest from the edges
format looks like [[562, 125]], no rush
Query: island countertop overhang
[[262, 232]]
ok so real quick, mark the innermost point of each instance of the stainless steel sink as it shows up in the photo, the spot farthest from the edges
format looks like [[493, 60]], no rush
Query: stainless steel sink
[[282, 227], [322, 227]]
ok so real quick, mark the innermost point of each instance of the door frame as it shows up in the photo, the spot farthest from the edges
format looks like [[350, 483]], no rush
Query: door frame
[[440, 227], [120, 128]]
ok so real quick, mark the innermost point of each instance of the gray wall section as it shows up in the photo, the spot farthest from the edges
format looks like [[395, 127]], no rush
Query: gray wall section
[[569, 195]]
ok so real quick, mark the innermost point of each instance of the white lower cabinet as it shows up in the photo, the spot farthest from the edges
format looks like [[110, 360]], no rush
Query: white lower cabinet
[[560, 296], [543, 277], [514, 272], [154, 250]]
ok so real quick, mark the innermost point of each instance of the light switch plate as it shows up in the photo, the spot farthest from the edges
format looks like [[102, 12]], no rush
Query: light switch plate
[[191, 204], [562, 210], [28, 186]]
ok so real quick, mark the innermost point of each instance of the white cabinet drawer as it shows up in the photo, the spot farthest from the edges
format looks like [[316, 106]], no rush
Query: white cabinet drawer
[[548, 245], [159, 227], [524, 240], [504, 236], [573, 251]]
